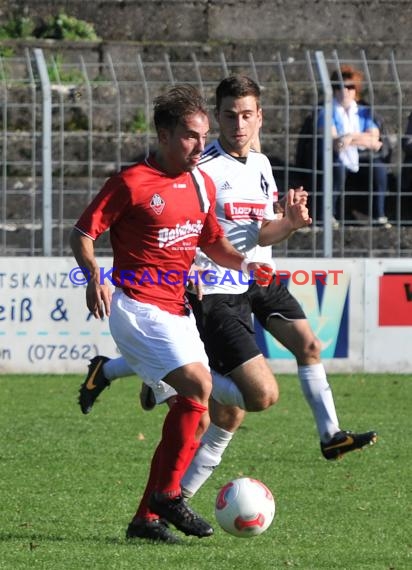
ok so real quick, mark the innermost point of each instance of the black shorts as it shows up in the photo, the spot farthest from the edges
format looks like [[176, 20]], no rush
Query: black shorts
[[225, 322], [226, 328], [273, 301]]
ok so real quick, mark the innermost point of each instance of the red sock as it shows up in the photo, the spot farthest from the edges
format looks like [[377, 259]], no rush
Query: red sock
[[191, 454], [178, 424], [143, 511], [178, 444]]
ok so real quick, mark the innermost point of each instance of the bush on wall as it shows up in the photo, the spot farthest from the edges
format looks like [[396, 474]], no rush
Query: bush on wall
[[59, 27]]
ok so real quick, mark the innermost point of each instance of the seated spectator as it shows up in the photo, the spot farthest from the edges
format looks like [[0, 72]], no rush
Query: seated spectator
[[356, 141], [406, 202], [407, 151]]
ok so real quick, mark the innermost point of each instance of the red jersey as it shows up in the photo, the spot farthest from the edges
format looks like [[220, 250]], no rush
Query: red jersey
[[156, 222]]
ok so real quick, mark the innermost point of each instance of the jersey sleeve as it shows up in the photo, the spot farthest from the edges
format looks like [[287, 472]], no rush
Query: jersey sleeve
[[269, 213], [211, 230], [107, 206]]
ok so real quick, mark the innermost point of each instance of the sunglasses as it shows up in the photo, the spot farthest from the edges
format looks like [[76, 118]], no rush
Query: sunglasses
[[349, 86]]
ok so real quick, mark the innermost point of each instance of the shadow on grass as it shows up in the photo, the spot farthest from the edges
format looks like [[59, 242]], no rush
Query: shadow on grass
[[36, 539]]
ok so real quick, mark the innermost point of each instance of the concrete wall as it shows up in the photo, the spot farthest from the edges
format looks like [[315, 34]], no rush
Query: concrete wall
[[338, 23]]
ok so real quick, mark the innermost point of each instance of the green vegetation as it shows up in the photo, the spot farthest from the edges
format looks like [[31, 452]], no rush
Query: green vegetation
[[63, 27], [60, 72], [15, 28], [70, 483], [139, 123], [59, 27]]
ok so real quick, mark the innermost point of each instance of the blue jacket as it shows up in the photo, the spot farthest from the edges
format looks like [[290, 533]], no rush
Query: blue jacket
[[365, 119]]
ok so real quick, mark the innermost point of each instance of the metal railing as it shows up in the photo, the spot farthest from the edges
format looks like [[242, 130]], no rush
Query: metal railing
[[66, 126]]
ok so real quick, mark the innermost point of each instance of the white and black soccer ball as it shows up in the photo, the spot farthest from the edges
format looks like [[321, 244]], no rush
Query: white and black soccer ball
[[245, 507]]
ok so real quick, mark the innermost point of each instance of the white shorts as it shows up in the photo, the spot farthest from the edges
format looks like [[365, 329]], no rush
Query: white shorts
[[154, 342], [162, 392]]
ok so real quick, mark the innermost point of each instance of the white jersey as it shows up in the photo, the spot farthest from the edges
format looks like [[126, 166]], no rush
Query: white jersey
[[245, 192]]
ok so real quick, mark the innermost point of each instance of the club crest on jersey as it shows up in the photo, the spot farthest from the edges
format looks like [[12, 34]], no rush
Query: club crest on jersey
[[157, 204]]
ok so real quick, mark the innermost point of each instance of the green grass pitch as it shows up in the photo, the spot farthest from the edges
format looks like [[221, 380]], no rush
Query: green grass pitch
[[69, 483]]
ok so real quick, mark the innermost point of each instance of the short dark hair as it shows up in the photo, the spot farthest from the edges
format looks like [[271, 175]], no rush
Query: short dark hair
[[179, 102], [237, 86]]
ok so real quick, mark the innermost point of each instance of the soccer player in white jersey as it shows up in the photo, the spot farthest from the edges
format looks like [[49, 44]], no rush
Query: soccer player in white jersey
[[242, 379]]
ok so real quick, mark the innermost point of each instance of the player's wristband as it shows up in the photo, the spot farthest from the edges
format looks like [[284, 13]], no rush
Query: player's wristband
[[244, 264]]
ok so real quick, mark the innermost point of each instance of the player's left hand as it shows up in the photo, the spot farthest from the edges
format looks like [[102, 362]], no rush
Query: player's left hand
[[300, 196], [296, 210]]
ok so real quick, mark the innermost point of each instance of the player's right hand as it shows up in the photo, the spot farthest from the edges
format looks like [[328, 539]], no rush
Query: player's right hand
[[262, 273], [98, 299], [194, 284]]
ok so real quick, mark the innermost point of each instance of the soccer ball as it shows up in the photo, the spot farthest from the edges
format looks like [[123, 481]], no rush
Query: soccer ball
[[245, 507]]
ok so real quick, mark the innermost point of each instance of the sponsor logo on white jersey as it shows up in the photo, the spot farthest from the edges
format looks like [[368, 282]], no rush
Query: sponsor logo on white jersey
[[170, 236], [225, 186], [244, 211], [157, 204]]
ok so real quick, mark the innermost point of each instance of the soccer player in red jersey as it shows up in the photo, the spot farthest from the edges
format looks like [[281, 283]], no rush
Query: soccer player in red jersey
[[158, 212], [242, 380]]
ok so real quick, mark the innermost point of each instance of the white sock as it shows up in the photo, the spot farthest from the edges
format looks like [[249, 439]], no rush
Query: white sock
[[214, 442], [117, 368], [319, 396], [226, 392]]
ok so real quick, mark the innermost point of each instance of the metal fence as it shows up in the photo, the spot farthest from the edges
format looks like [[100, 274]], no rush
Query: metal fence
[[66, 126]]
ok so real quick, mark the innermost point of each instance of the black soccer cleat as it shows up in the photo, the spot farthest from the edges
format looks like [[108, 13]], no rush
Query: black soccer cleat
[[156, 530], [94, 384], [177, 512], [345, 441], [147, 398]]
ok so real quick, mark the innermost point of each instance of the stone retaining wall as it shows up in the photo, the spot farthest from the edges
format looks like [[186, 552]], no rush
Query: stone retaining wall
[[352, 23]]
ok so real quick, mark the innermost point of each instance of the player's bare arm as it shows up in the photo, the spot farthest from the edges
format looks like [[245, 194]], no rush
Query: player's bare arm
[[223, 253], [98, 296], [296, 216]]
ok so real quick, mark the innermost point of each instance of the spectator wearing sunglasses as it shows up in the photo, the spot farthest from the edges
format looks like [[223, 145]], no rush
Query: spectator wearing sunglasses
[[356, 142]]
